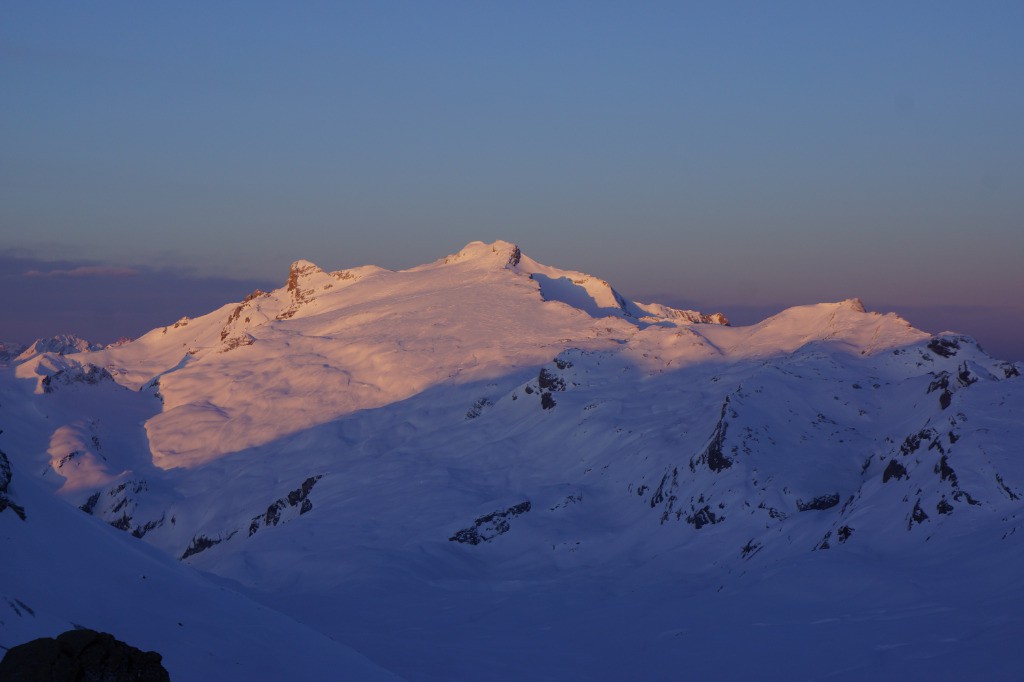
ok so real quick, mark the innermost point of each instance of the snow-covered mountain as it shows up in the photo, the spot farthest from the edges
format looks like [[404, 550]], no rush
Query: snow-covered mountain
[[485, 467], [8, 351]]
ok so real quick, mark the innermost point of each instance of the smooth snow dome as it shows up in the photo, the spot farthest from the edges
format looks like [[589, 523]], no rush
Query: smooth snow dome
[[489, 468]]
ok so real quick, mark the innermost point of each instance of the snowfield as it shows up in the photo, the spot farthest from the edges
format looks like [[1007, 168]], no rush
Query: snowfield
[[488, 468]]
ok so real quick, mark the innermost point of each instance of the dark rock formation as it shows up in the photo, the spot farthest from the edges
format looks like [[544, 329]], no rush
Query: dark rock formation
[[1006, 489], [917, 515], [549, 382], [947, 348], [942, 382], [659, 495], [750, 549], [964, 375], [86, 374], [894, 470], [140, 531], [703, 517], [713, 454], [81, 656], [964, 496], [298, 271], [91, 503], [489, 526], [514, 257], [5, 480], [912, 443], [478, 408], [200, 543], [946, 471], [123, 522], [237, 342], [773, 513], [295, 498], [119, 505], [820, 502], [945, 399]]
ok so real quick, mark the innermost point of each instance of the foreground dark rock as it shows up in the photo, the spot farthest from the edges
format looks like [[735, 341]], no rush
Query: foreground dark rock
[[81, 656]]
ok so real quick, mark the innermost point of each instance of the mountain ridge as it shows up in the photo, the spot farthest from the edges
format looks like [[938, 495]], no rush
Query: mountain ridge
[[457, 444]]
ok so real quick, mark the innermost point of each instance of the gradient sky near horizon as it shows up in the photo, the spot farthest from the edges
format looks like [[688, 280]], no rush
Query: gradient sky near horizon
[[728, 156]]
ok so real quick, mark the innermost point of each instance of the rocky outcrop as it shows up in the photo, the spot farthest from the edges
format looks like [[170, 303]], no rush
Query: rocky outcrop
[[514, 257], [490, 526], [63, 344], [237, 342], [1006, 489], [87, 374], [303, 278], [237, 324], [298, 498], [201, 543], [478, 408], [5, 480], [714, 456], [941, 382], [894, 470], [821, 502], [917, 515], [119, 506], [294, 504], [946, 348], [81, 655], [914, 451], [549, 381], [703, 517]]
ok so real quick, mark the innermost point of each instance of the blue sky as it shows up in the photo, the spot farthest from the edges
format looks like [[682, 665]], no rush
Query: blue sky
[[734, 156]]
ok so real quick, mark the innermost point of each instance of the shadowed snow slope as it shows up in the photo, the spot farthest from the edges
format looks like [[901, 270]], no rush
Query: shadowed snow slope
[[486, 468], [62, 569]]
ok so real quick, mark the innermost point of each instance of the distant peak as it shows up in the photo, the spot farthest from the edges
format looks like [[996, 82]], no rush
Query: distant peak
[[505, 253], [62, 344], [854, 304], [300, 268]]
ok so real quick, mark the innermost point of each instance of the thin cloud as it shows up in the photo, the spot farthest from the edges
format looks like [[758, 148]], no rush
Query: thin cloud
[[86, 271]]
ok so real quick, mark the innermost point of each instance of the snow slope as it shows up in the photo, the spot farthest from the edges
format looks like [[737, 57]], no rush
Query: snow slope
[[62, 569], [496, 468]]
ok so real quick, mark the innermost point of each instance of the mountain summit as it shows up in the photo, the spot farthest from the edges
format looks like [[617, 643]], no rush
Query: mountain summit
[[363, 338], [514, 461]]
